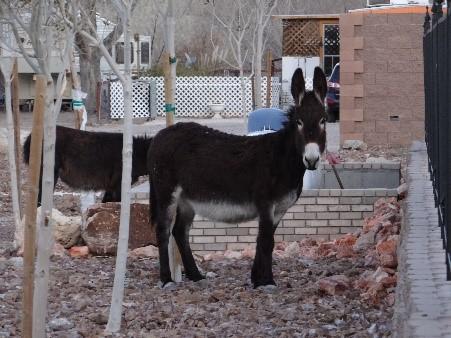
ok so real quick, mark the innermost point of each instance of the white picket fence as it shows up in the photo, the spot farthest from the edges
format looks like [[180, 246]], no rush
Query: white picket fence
[[193, 96]]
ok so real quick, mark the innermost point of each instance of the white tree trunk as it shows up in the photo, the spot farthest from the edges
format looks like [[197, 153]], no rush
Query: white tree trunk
[[114, 320], [174, 256], [45, 239], [243, 83], [258, 67], [7, 67]]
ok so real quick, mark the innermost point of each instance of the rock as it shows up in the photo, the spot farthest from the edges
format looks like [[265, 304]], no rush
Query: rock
[[66, 230], [58, 250], [365, 241], [146, 251], [102, 228], [373, 329], [98, 318], [354, 145], [248, 253], [210, 275], [232, 254], [379, 275], [79, 251], [402, 191], [293, 249], [60, 324], [387, 252], [17, 262], [334, 285]]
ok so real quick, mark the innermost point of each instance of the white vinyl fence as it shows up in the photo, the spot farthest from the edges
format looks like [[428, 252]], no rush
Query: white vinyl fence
[[193, 96]]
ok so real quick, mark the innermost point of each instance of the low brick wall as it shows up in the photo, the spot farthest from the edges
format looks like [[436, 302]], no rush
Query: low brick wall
[[318, 213]]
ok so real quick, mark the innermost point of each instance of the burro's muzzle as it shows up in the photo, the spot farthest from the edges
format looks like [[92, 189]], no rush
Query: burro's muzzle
[[311, 156]]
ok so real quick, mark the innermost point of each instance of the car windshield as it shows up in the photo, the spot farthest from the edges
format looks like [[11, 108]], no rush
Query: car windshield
[[335, 76]]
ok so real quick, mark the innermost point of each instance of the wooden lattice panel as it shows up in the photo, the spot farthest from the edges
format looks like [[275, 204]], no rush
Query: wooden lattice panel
[[301, 37]]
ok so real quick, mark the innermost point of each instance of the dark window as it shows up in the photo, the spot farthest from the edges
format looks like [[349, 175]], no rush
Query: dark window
[[331, 47], [120, 53], [145, 49]]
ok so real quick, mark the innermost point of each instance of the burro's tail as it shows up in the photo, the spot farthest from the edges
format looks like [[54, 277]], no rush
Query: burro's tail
[[26, 150]]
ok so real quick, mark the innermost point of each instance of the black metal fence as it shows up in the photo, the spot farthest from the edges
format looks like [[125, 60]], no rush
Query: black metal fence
[[437, 84]]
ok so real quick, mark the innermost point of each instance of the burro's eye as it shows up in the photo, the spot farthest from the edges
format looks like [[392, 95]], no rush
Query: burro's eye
[[300, 124]]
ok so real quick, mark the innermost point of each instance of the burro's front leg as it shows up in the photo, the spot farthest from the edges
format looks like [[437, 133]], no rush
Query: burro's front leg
[[262, 268]]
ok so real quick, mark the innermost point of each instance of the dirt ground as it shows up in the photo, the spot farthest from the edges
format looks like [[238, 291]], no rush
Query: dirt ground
[[223, 306]]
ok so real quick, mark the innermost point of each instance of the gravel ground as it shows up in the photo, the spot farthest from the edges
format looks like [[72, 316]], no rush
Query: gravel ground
[[224, 306]]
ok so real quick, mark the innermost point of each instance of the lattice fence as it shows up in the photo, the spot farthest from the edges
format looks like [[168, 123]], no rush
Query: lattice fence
[[193, 96], [301, 37], [141, 99]]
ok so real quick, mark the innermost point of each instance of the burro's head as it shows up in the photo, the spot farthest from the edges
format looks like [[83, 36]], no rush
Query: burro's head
[[309, 114]]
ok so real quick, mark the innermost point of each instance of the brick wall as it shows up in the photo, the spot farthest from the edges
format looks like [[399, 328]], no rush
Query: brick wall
[[318, 213], [381, 64]]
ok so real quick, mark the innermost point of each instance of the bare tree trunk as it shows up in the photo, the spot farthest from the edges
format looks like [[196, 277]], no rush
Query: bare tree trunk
[[243, 83], [16, 118], [175, 261], [258, 67], [268, 78], [114, 320], [7, 65], [32, 200]]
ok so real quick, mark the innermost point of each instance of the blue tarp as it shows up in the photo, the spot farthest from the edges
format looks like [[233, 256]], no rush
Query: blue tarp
[[266, 119]]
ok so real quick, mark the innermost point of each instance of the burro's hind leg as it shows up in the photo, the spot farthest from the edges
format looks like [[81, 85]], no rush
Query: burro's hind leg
[[184, 219], [262, 268], [166, 213]]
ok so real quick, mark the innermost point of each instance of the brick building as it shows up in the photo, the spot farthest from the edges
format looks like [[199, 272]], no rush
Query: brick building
[[381, 64]]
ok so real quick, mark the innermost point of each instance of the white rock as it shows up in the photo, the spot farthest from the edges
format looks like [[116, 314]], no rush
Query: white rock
[[232, 254], [292, 249], [67, 229], [354, 145], [211, 274], [60, 324]]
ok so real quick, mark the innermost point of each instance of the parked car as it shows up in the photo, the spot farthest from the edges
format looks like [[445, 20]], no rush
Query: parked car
[[333, 95]]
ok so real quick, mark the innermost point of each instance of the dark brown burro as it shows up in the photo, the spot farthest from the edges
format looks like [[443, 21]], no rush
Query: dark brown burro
[[87, 160], [230, 178]]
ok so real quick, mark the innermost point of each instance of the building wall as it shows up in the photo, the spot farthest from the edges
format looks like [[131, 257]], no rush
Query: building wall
[[382, 90]]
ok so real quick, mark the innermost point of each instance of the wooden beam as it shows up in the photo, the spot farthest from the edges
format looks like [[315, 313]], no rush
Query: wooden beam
[[31, 203]]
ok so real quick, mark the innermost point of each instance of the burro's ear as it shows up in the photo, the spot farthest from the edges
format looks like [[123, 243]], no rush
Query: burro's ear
[[320, 83], [298, 86]]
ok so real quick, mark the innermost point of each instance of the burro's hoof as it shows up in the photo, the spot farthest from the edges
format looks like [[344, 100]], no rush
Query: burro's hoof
[[167, 286]]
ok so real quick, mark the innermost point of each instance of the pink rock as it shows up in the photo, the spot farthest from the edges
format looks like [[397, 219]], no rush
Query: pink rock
[[248, 253], [146, 251], [102, 227], [79, 251], [59, 250], [334, 285], [232, 254]]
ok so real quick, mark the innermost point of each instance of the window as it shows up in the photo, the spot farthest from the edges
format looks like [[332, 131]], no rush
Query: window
[[145, 51], [331, 47], [120, 53]]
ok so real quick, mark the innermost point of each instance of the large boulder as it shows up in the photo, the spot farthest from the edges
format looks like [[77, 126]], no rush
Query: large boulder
[[101, 227], [66, 229]]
